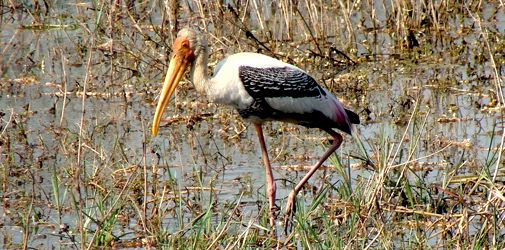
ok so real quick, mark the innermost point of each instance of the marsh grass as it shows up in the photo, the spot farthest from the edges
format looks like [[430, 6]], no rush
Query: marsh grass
[[408, 67]]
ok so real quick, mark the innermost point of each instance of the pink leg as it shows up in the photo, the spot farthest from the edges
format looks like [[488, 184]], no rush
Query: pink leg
[[337, 140], [270, 178]]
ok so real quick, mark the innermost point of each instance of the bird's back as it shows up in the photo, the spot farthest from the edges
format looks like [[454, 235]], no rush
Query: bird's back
[[265, 89]]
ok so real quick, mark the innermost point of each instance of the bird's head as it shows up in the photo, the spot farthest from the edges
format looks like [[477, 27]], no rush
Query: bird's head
[[188, 44]]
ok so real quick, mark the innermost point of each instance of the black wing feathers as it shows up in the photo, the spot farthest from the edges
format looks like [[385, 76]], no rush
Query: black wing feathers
[[278, 82], [353, 117]]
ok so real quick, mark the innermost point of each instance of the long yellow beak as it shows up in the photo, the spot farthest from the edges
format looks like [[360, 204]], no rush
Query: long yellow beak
[[176, 69]]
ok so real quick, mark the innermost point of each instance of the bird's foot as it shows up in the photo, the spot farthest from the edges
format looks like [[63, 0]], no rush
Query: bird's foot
[[272, 214], [290, 206], [290, 210]]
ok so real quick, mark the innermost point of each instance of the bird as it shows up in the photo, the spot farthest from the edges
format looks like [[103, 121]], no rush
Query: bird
[[261, 89]]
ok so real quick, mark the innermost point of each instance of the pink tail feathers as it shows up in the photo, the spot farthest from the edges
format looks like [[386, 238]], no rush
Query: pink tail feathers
[[341, 118]]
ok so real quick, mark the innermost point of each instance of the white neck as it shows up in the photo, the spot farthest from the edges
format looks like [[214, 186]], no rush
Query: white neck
[[199, 72]]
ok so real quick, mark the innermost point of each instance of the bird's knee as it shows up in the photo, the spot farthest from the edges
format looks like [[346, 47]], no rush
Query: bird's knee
[[272, 189]]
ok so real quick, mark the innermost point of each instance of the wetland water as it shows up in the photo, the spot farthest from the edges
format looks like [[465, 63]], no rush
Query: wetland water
[[79, 83]]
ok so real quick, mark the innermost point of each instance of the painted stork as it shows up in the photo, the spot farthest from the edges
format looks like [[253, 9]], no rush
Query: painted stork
[[261, 89]]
